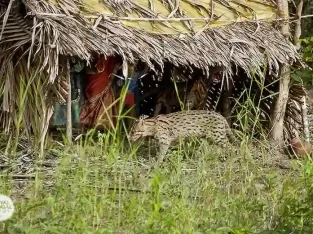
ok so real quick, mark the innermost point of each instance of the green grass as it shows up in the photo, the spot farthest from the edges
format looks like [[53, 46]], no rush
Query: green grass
[[102, 185], [107, 188]]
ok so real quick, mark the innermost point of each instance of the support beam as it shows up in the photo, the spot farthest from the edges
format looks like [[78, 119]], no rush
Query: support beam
[[279, 107], [69, 125], [306, 131], [297, 32]]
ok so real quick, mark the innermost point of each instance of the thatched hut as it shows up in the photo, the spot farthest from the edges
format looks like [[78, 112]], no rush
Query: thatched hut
[[237, 37]]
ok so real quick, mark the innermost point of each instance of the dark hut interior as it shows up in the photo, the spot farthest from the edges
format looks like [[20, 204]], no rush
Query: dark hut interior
[[156, 92]]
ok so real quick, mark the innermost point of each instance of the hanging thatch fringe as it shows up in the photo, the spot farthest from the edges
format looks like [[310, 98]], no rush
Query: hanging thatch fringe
[[249, 45]]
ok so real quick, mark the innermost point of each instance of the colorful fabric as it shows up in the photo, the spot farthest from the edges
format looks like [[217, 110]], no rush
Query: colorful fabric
[[134, 88], [133, 85], [78, 66], [98, 111], [129, 99], [60, 110]]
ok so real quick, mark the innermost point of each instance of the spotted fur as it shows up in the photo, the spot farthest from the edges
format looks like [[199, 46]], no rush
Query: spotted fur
[[167, 129]]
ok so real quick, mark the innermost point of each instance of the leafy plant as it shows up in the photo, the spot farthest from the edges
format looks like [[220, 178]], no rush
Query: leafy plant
[[305, 75]]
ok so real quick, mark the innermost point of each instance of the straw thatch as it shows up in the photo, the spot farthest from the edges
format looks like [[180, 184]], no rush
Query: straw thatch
[[139, 30]]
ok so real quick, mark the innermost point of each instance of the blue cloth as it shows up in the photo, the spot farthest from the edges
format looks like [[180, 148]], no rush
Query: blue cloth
[[133, 85], [134, 88], [60, 111]]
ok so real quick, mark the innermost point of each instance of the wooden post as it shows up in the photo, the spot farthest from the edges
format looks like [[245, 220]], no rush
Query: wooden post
[[279, 107], [296, 42], [69, 130], [297, 32], [306, 131]]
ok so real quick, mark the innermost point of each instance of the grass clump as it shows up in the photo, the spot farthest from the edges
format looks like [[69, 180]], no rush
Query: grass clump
[[105, 185], [101, 189]]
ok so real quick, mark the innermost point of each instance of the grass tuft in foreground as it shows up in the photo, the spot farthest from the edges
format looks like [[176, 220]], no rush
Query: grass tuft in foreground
[[107, 188], [104, 185]]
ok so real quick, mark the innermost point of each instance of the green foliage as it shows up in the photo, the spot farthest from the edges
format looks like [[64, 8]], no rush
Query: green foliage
[[99, 186], [305, 75], [307, 49]]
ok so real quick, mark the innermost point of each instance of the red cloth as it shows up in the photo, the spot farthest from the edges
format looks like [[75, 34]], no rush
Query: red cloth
[[96, 83], [129, 99], [94, 112]]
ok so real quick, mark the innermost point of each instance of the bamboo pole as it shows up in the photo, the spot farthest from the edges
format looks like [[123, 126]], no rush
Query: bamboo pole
[[69, 130], [305, 120], [207, 19], [279, 107], [297, 32], [296, 42]]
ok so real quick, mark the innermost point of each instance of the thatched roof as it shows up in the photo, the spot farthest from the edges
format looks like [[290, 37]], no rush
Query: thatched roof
[[233, 32]]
